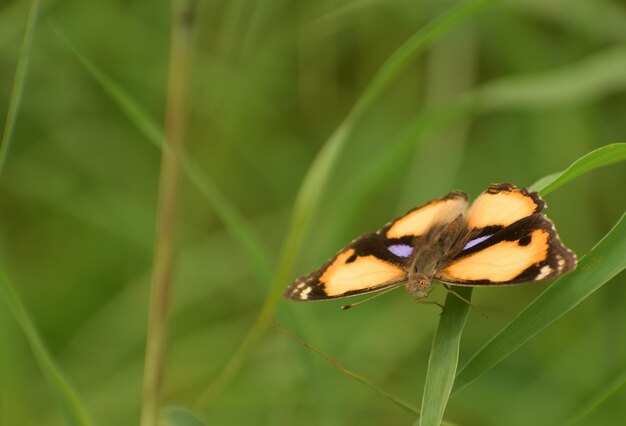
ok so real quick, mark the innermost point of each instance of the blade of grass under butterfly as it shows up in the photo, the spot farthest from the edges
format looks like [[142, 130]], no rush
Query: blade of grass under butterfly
[[604, 156], [238, 227], [443, 359], [71, 407], [602, 263], [317, 176], [18, 83], [444, 354]]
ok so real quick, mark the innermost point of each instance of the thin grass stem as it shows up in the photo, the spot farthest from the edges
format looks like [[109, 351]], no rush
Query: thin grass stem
[[164, 247]]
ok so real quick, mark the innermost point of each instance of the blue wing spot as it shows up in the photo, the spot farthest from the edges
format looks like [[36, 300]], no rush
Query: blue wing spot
[[475, 241], [401, 250]]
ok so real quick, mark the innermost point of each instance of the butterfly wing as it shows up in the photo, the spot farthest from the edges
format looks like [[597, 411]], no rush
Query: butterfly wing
[[501, 205], [376, 260], [508, 241], [419, 221], [366, 264]]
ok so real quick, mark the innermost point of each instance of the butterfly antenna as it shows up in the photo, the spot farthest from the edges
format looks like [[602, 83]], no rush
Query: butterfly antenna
[[465, 300], [352, 305]]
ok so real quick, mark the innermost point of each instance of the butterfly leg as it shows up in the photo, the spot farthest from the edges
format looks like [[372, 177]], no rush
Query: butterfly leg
[[449, 290], [429, 302]]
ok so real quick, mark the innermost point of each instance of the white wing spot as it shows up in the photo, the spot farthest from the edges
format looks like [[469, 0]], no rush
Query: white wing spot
[[305, 294], [543, 272]]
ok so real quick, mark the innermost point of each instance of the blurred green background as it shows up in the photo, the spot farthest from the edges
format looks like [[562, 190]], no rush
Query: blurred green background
[[270, 82]]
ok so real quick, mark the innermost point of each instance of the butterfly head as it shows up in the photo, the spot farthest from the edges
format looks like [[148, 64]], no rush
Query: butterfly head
[[418, 284]]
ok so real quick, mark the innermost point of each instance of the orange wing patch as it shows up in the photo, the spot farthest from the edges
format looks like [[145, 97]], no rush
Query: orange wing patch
[[502, 205], [350, 272], [419, 221], [500, 262]]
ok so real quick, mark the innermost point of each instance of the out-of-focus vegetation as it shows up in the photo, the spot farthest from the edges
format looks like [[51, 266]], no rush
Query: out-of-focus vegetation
[[513, 93]]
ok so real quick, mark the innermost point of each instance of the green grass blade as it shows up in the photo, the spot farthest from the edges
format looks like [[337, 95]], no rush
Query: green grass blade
[[71, 407], [604, 261], [444, 357], [604, 156], [238, 227], [18, 83], [316, 179]]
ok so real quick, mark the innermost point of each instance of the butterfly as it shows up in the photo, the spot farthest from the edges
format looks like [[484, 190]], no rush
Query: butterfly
[[502, 239]]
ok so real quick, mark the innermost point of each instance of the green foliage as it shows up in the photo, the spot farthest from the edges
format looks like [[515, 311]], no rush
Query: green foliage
[[517, 91]]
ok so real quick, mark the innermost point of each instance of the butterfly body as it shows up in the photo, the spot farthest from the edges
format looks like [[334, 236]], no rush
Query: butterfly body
[[502, 239]]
